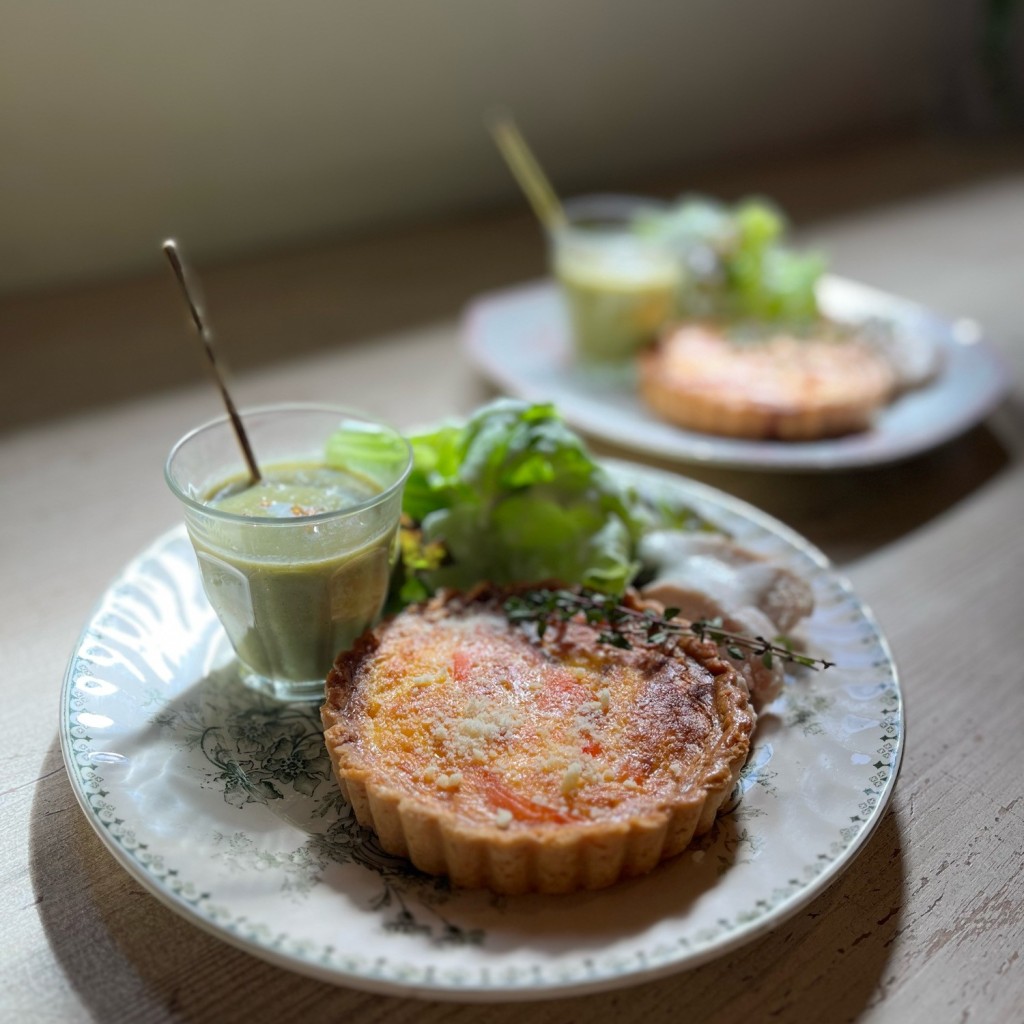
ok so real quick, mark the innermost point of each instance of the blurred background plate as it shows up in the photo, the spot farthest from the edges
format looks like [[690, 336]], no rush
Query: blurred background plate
[[519, 340]]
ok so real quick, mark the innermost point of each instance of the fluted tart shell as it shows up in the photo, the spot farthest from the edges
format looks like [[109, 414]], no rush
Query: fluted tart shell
[[519, 763]]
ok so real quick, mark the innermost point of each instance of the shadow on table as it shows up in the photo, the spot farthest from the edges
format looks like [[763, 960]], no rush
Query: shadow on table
[[851, 513], [129, 958], [111, 341]]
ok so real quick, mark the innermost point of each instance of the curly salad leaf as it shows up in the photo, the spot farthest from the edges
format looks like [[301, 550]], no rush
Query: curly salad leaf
[[738, 263], [513, 496]]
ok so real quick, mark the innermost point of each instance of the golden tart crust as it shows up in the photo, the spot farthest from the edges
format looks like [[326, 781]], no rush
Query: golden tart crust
[[521, 764], [775, 387]]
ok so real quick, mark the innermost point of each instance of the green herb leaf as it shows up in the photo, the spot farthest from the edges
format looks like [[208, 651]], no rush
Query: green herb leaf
[[626, 625]]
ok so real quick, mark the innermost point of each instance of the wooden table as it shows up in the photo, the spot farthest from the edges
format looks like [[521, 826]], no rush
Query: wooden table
[[928, 922]]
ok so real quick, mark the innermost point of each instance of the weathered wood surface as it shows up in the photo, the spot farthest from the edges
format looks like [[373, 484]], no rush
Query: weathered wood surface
[[928, 922]]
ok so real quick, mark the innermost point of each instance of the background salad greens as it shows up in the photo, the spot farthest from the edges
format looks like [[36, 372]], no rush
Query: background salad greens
[[737, 260]]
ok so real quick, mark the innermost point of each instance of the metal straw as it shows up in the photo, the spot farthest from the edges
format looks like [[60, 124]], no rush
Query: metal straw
[[202, 329], [527, 172]]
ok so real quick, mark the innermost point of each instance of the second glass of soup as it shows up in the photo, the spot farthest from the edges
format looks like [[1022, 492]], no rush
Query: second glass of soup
[[620, 287]]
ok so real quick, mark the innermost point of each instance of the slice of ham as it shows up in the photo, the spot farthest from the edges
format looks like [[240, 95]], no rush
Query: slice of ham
[[708, 577], [710, 571]]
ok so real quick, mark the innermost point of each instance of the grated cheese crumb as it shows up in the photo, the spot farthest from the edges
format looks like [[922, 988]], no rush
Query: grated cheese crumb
[[426, 680], [448, 782], [571, 780]]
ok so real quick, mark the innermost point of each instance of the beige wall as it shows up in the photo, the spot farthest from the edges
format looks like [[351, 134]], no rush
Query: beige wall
[[238, 124]]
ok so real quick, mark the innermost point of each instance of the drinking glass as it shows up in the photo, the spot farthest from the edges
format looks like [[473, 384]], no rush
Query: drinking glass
[[620, 287], [293, 591]]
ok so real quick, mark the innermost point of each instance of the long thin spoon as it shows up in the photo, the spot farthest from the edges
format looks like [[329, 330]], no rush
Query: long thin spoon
[[170, 248], [527, 172]]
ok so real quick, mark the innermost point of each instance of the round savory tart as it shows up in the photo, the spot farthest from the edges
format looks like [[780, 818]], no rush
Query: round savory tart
[[772, 386], [526, 760]]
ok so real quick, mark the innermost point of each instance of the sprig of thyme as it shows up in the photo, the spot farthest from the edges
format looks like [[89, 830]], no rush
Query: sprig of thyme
[[621, 626]]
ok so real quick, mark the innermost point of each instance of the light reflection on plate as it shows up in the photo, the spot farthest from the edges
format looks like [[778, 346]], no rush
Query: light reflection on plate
[[220, 802]]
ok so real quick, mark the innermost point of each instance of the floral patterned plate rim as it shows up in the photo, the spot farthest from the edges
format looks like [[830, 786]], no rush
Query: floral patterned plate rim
[[519, 339], [220, 802]]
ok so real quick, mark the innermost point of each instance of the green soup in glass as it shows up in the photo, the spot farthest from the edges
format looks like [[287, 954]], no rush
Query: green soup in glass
[[620, 288], [296, 565]]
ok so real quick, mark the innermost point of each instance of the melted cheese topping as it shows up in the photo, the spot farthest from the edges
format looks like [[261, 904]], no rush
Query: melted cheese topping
[[477, 714]]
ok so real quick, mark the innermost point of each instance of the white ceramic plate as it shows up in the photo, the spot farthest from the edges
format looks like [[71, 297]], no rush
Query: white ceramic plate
[[519, 339], [221, 803]]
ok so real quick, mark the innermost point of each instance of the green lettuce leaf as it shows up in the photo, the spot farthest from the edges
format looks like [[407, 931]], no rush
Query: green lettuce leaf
[[514, 496]]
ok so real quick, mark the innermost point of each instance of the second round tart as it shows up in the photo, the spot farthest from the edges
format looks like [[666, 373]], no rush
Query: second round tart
[[775, 386], [519, 763]]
